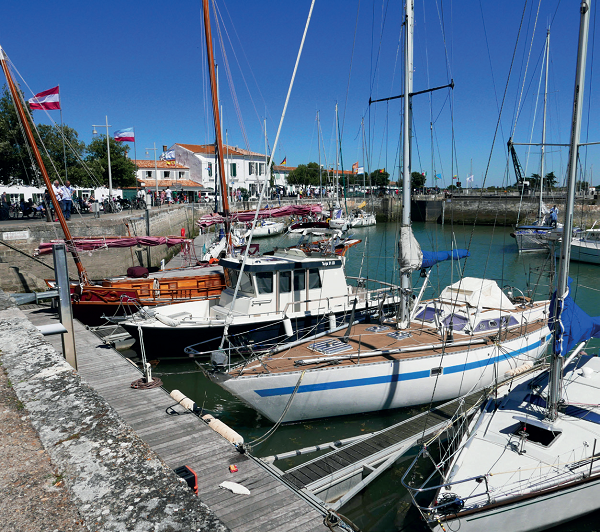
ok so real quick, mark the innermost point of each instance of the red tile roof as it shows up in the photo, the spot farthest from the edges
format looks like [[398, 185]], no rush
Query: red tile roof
[[210, 150], [144, 163], [279, 168]]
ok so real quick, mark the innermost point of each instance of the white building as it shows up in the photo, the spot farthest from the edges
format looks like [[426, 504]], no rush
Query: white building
[[167, 171], [243, 168]]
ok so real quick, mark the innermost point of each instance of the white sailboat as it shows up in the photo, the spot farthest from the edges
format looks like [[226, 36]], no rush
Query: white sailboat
[[432, 351], [529, 460]]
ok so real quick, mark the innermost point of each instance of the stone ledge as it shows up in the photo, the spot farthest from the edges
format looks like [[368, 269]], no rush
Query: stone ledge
[[116, 481]]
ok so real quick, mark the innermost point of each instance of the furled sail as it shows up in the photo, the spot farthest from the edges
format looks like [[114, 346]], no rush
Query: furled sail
[[411, 257], [575, 324]]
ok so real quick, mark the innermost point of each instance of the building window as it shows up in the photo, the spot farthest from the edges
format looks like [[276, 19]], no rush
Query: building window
[[261, 168], [181, 175], [209, 169], [251, 168], [167, 174], [148, 174], [233, 170]]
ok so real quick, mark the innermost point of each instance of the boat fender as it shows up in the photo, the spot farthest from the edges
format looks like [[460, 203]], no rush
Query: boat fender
[[184, 401], [287, 326], [219, 427], [332, 322], [166, 320], [518, 370]]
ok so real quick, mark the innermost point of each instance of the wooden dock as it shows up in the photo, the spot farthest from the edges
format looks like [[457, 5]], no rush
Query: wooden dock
[[187, 440]]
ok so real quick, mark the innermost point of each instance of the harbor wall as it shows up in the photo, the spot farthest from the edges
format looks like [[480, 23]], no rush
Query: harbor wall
[[114, 479], [20, 273]]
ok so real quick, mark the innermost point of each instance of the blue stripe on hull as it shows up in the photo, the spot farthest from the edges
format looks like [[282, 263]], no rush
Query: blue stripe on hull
[[385, 379]]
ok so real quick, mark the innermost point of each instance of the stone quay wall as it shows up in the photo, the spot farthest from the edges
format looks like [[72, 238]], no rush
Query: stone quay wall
[[20, 273]]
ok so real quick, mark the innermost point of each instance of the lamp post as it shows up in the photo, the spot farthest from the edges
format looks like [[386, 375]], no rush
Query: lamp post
[[94, 132], [155, 170]]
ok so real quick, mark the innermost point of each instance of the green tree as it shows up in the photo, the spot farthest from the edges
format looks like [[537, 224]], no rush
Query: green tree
[[380, 178], [15, 161], [304, 175], [122, 168], [417, 180], [53, 153], [550, 180]]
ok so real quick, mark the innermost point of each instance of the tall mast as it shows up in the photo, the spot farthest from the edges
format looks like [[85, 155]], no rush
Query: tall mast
[[216, 114], [542, 170], [405, 280], [319, 143], [337, 175], [82, 274], [554, 393]]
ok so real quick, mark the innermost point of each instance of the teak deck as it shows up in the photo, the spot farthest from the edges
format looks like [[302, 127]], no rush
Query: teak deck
[[186, 440]]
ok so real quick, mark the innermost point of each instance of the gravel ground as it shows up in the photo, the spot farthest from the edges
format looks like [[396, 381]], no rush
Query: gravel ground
[[32, 495]]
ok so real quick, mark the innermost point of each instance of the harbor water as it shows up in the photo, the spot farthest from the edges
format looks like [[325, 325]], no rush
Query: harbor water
[[385, 505]]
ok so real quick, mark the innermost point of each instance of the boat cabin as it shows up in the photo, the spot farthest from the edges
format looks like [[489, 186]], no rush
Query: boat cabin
[[288, 281]]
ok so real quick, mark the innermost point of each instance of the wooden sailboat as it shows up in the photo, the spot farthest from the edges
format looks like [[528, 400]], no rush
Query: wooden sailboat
[[529, 459], [92, 300]]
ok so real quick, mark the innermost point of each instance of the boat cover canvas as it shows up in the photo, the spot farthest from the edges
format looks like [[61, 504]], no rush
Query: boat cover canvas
[[90, 244], [576, 325], [476, 292], [247, 216]]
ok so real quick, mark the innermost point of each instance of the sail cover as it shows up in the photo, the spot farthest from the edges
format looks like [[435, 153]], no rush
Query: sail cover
[[91, 244], [575, 325], [247, 216], [412, 258]]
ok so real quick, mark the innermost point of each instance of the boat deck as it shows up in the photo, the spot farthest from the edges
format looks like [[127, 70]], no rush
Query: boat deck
[[187, 440], [375, 343]]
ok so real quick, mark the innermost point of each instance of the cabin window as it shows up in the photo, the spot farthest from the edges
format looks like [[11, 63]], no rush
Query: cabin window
[[233, 169], [264, 282], [285, 282], [299, 281], [314, 280], [495, 324], [231, 279]]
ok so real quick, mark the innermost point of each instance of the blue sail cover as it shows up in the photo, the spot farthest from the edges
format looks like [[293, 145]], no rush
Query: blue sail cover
[[575, 325], [430, 258]]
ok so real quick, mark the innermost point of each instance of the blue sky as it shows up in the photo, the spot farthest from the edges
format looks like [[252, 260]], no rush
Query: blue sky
[[144, 65]]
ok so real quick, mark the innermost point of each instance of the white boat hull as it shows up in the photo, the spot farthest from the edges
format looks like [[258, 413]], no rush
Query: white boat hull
[[366, 387], [531, 514]]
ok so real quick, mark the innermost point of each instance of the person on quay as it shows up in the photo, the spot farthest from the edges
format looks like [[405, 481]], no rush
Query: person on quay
[[57, 193], [66, 203]]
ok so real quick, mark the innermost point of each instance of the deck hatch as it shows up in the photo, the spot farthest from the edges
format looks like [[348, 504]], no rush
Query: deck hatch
[[378, 328], [399, 335], [329, 347]]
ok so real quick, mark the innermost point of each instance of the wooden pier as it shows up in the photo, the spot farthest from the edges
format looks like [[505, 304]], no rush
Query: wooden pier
[[187, 440]]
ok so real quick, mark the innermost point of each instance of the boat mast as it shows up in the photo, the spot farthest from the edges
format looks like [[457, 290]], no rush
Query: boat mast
[[337, 175], [216, 115], [544, 125], [319, 143], [82, 274], [405, 280], [555, 392]]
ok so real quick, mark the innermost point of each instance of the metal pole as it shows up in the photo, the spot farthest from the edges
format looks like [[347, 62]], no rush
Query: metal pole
[[61, 272], [405, 280], [109, 168], [554, 392], [544, 125]]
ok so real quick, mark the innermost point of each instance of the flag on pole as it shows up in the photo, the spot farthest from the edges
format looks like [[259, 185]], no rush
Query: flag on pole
[[284, 162], [355, 168], [361, 169], [168, 155], [125, 135], [48, 100], [438, 176], [455, 177], [469, 178]]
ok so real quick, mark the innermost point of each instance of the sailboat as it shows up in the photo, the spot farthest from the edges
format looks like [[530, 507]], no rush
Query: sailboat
[[93, 299], [528, 460], [533, 237], [432, 350]]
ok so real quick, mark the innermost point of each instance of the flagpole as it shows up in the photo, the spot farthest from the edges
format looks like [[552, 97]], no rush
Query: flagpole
[[62, 130]]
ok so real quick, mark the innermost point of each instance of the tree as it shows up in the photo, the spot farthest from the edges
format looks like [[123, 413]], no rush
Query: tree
[[122, 169], [550, 180], [15, 161], [582, 186], [54, 154], [380, 178], [304, 175], [417, 180]]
